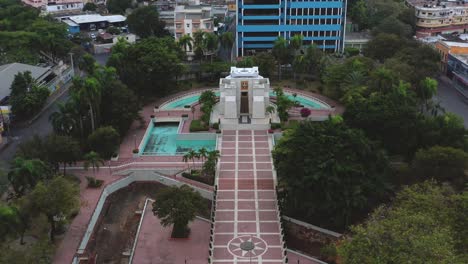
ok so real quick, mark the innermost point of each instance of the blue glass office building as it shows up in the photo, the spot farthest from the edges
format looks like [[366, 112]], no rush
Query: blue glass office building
[[261, 22]]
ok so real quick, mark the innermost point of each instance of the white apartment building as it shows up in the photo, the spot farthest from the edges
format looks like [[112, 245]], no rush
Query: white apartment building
[[192, 18]]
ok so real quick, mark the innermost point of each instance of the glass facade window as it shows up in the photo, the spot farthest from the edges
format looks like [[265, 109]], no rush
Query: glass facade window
[[260, 22]]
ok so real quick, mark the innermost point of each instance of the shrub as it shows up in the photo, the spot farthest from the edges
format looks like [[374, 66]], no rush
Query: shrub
[[305, 112], [290, 124], [351, 51], [275, 125], [198, 125], [93, 182], [215, 126], [113, 31]]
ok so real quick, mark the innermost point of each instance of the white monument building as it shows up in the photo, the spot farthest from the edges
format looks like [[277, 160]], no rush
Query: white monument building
[[244, 97]]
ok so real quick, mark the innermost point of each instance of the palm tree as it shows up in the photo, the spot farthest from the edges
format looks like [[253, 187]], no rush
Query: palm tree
[[211, 43], [214, 155], [64, 119], [186, 158], [88, 90], [198, 48], [227, 39], [299, 65], [185, 41], [94, 160], [270, 109], [281, 52], [296, 43], [192, 154], [354, 79], [203, 154]]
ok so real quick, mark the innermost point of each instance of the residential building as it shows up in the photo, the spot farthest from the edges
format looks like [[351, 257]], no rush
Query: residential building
[[192, 18], [261, 22], [92, 22], [457, 69], [57, 6], [51, 77], [168, 17], [439, 17], [356, 40], [445, 48]]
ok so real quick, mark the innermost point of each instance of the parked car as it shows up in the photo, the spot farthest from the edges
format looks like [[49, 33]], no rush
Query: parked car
[[92, 36]]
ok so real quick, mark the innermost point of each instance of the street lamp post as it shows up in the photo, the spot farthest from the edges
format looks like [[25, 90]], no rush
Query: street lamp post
[[134, 141]]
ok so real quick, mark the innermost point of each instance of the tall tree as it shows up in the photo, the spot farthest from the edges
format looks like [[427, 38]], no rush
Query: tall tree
[[92, 159], [89, 91], [150, 66], [118, 6], [295, 43], [105, 141], [417, 228], [211, 43], [144, 21], [56, 200], [265, 62], [25, 174], [62, 150], [329, 172], [282, 53], [27, 97], [64, 120], [177, 206], [444, 164], [227, 39], [185, 42]]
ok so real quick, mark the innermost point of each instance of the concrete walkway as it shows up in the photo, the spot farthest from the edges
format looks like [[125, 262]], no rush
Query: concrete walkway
[[246, 206]]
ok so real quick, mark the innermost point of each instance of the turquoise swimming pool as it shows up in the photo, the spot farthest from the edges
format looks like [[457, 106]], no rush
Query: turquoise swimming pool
[[192, 99], [163, 140]]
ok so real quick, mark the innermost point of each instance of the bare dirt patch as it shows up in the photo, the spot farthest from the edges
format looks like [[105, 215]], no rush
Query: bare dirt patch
[[114, 234]]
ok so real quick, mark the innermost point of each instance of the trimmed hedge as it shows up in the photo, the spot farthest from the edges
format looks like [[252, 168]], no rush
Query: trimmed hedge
[[93, 182], [198, 125], [275, 125], [198, 178]]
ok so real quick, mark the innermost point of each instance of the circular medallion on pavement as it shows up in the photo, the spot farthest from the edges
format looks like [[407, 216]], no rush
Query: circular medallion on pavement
[[247, 246]]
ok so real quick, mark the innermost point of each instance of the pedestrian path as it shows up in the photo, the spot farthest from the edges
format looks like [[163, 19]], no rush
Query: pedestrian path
[[247, 227]]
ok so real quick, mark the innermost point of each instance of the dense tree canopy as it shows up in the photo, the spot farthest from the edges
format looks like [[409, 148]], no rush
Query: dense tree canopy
[[55, 199], [145, 22], [150, 66], [27, 97], [420, 227], [444, 164], [328, 172], [105, 141], [23, 34], [118, 6]]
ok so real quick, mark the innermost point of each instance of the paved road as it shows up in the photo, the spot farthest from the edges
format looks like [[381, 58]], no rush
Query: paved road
[[40, 126], [451, 100]]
